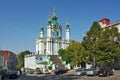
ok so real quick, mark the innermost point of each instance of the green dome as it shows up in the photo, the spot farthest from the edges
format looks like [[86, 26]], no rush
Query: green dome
[[42, 28], [54, 18], [54, 22], [67, 24]]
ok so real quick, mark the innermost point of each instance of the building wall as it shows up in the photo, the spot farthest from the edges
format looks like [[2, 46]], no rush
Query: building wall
[[106, 23], [12, 61], [52, 45], [1, 61], [9, 59], [118, 26], [33, 61], [30, 62]]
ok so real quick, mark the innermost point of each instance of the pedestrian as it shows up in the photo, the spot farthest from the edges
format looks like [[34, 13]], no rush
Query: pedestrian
[[2, 73], [56, 67]]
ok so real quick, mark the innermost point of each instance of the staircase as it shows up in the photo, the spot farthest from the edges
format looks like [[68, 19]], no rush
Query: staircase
[[55, 59]]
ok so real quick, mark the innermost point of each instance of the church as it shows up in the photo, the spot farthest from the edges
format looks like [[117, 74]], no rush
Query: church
[[54, 41], [47, 47]]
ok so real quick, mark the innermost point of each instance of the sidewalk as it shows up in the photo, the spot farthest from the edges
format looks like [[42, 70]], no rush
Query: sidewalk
[[117, 72]]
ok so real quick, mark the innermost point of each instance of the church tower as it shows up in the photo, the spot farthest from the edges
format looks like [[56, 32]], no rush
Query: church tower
[[40, 41], [67, 31], [54, 40], [42, 32]]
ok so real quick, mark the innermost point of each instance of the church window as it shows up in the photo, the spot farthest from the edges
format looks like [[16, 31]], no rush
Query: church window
[[44, 50], [59, 45], [57, 33], [40, 58]]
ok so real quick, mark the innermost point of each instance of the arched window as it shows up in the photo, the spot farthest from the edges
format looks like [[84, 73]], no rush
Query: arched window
[[57, 33]]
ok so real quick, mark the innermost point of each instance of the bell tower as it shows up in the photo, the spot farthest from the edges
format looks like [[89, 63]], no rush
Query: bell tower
[[41, 31], [67, 31]]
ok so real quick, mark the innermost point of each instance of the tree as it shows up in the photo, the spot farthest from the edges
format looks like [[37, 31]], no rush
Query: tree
[[63, 55], [90, 40], [103, 44], [72, 54], [108, 46], [38, 69], [20, 59]]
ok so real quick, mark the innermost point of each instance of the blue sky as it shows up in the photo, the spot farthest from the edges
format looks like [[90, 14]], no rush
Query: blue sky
[[20, 20]]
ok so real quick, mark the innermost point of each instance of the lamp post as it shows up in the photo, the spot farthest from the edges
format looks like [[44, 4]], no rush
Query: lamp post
[[94, 62]]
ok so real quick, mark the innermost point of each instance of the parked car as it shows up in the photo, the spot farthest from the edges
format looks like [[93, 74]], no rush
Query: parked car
[[91, 72], [3, 73], [13, 74], [46, 72], [31, 71], [105, 72], [80, 71], [60, 71]]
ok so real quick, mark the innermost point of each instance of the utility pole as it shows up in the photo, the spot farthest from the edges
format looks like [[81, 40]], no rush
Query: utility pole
[[94, 62]]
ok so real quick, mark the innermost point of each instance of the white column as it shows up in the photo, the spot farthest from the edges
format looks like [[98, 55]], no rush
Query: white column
[[42, 47], [47, 46], [37, 46], [42, 34], [49, 31], [40, 44], [58, 46], [51, 48], [67, 34], [56, 52]]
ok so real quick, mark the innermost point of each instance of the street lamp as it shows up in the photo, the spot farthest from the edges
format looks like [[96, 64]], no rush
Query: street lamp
[[94, 62]]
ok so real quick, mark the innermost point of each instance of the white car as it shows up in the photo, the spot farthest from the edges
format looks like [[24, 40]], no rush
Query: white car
[[91, 72], [80, 71]]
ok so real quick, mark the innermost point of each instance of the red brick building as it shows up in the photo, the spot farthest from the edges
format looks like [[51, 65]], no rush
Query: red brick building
[[105, 22], [9, 59]]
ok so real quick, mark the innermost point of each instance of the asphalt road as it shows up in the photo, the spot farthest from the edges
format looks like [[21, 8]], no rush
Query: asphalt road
[[67, 76]]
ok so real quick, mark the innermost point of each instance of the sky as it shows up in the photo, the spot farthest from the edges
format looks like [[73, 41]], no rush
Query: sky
[[20, 20]]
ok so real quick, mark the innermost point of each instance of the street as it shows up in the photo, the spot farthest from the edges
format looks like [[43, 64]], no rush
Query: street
[[67, 76]]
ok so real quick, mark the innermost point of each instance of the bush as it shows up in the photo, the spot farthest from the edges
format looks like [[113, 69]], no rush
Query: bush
[[50, 67], [37, 69]]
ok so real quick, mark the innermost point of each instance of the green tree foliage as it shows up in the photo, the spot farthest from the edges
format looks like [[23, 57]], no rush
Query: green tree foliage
[[20, 59], [63, 55], [104, 44], [73, 53], [90, 40], [108, 46], [38, 69], [92, 35]]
